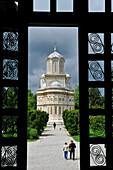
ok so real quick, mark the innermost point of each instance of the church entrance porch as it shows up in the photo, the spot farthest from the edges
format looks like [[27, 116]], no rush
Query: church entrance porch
[[55, 114]]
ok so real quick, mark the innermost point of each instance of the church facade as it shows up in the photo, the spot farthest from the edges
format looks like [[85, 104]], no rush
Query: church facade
[[55, 93]]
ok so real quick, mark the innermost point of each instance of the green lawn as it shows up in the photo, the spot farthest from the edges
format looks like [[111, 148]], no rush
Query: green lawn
[[91, 134], [76, 138], [31, 140]]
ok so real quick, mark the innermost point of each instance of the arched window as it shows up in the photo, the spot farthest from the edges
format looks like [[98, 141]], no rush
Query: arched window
[[55, 66], [61, 67], [49, 67]]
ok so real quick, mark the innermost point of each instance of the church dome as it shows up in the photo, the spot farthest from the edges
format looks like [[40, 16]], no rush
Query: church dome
[[55, 84], [55, 55]]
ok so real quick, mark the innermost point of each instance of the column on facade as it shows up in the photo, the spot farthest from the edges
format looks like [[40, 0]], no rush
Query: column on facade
[[53, 110], [49, 110], [58, 110]]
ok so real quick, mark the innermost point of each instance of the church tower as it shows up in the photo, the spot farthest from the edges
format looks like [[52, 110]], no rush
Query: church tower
[[55, 93], [55, 63]]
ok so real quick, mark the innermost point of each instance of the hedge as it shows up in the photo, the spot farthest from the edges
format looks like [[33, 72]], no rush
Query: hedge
[[71, 121]]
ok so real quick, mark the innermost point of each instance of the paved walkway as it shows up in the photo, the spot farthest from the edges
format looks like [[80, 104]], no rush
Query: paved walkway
[[47, 154]]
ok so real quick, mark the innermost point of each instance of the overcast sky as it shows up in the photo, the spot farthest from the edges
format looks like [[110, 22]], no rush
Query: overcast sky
[[41, 44]]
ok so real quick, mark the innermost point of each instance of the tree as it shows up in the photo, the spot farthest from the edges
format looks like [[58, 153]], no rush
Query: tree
[[36, 121], [76, 96], [32, 101], [71, 121]]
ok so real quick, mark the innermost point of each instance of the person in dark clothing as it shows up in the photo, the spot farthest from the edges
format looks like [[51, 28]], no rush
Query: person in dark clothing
[[72, 147], [54, 124]]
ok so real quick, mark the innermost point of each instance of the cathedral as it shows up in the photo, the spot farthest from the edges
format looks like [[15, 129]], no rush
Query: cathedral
[[55, 93]]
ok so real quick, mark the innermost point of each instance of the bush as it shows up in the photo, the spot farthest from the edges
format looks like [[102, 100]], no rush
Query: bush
[[36, 120], [71, 121], [32, 133]]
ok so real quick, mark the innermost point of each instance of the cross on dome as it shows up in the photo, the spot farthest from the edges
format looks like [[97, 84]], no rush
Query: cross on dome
[[55, 47]]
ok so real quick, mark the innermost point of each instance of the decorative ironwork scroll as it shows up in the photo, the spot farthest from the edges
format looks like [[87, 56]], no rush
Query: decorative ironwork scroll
[[96, 70], [97, 155], [97, 125], [9, 156], [96, 43], [10, 69], [10, 41]]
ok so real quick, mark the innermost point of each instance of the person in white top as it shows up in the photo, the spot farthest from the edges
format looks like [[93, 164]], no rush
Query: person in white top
[[65, 149]]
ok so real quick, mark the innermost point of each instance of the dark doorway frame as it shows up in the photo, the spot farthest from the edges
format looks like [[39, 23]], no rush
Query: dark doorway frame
[[21, 21]]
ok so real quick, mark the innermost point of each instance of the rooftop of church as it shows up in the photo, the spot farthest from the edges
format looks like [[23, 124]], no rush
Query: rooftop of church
[[55, 54]]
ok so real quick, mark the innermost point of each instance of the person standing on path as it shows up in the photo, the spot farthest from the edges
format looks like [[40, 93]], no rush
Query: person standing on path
[[72, 147], [65, 149], [54, 124]]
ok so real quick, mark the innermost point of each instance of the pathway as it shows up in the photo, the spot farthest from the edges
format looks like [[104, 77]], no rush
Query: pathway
[[47, 154]]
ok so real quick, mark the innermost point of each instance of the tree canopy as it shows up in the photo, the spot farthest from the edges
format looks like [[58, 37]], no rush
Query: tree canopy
[[76, 96], [71, 121], [36, 119], [32, 100]]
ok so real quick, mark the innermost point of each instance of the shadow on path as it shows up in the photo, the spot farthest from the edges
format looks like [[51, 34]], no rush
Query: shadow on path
[[48, 135]]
